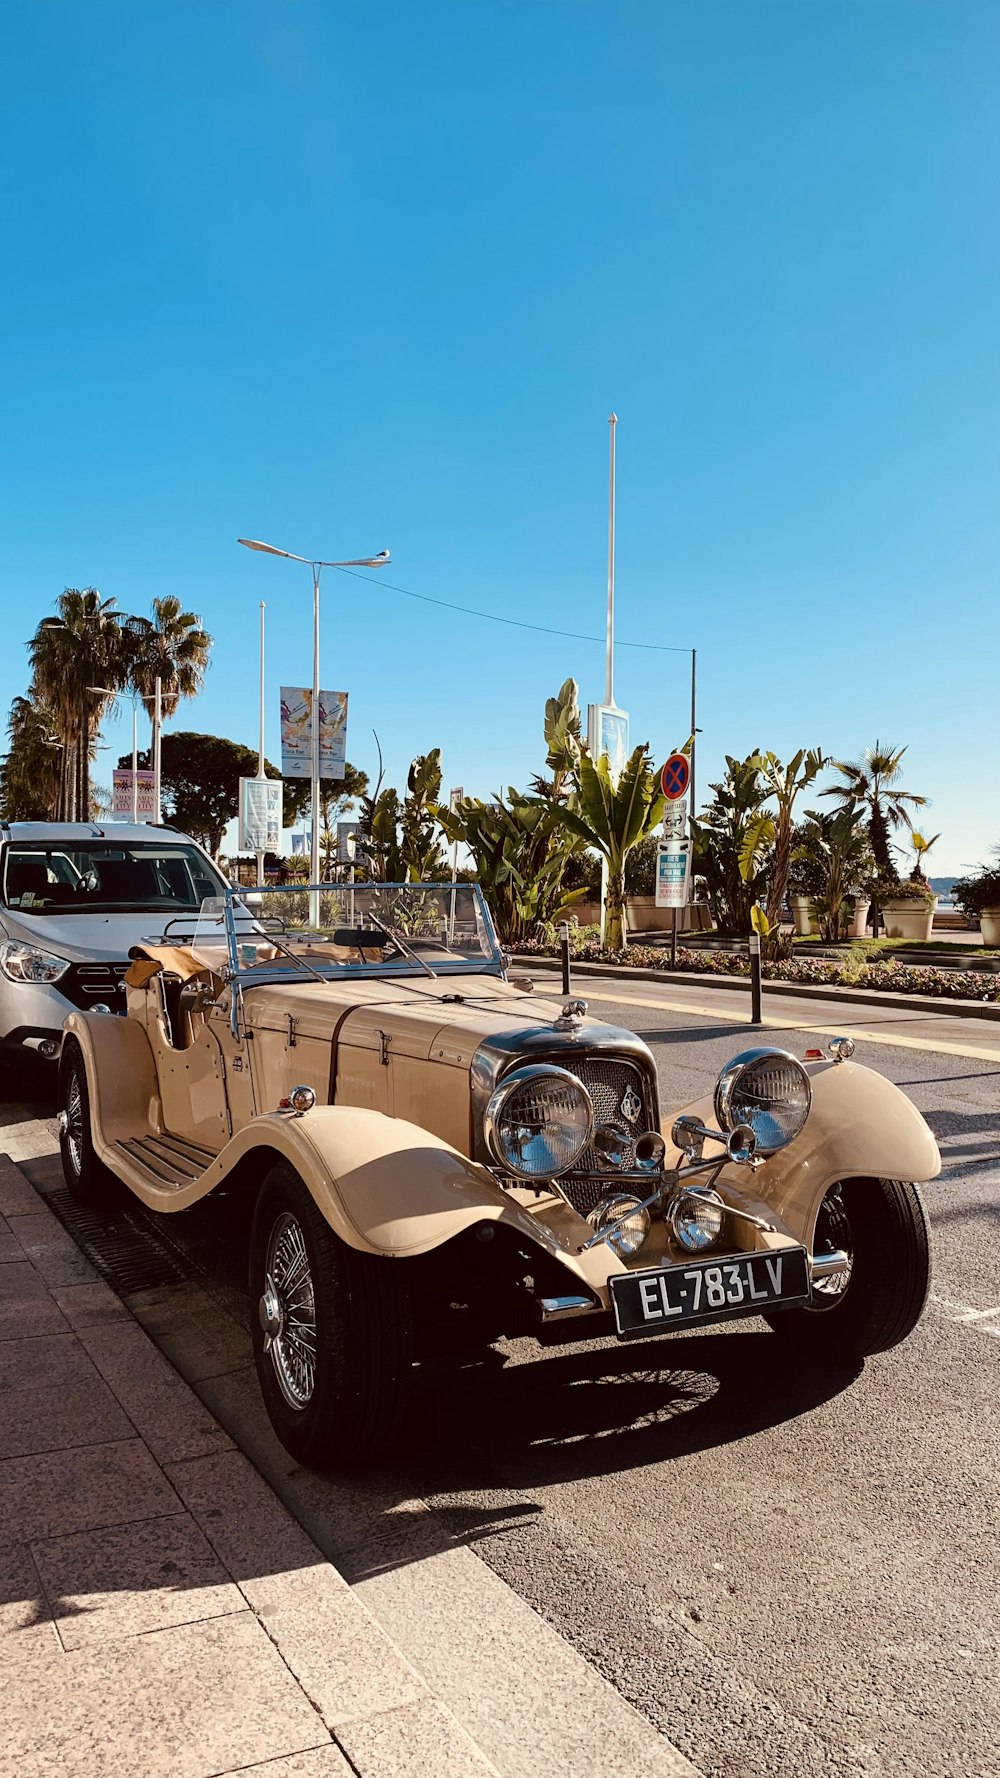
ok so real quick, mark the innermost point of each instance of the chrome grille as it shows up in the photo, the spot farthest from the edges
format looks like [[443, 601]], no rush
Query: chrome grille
[[607, 1080], [86, 984]]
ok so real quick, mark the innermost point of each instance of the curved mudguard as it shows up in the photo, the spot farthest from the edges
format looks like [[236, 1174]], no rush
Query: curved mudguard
[[860, 1126], [385, 1186]]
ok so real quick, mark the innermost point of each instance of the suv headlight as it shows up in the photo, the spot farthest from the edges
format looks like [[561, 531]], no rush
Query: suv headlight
[[26, 963], [538, 1122], [767, 1089]]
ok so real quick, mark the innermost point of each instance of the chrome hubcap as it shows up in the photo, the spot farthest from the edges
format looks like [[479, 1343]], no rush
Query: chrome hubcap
[[71, 1123], [287, 1312]]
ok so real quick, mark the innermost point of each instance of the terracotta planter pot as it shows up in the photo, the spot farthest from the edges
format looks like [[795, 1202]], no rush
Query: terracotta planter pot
[[802, 915], [989, 926], [909, 919]]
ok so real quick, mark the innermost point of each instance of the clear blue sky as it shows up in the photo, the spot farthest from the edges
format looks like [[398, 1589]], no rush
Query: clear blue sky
[[347, 277]]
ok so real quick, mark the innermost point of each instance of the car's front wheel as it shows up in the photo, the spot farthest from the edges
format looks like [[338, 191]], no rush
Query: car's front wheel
[[88, 1180], [881, 1226], [331, 1330]]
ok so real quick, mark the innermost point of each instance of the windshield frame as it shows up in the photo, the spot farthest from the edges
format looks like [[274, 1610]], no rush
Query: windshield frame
[[242, 916]]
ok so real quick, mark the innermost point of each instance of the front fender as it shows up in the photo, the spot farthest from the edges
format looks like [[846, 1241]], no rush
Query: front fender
[[389, 1187], [860, 1126]]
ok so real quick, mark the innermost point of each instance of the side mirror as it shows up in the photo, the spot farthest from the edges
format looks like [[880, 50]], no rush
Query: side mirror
[[253, 899]]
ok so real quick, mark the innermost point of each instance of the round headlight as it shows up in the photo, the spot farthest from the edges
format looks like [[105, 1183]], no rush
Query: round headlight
[[767, 1089], [633, 1217], [695, 1218], [538, 1122]]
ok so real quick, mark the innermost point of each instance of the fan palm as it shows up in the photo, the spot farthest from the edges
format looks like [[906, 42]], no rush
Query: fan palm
[[874, 780], [70, 653]]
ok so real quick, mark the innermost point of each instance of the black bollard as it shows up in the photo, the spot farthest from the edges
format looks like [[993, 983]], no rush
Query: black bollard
[[564, 953], [755, 1012]]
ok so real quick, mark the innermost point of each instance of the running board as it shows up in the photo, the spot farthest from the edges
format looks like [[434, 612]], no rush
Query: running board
[[167, 1162]]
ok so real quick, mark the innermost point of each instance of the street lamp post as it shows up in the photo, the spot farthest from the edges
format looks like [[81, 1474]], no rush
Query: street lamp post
[[134, 698], [378, 561]]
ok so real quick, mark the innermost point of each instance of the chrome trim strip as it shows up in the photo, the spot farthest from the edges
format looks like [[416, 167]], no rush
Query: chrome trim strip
[[560, 1308], [829, 1265]]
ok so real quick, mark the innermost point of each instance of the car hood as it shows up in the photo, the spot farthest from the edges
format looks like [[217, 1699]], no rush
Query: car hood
[[82, 938], [446, 1020]]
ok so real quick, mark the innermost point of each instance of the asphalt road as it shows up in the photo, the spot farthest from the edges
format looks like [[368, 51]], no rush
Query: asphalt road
[[790, 1575]]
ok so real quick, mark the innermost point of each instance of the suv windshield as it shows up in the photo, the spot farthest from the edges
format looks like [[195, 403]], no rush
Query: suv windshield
[[104, 878], [366, 928]]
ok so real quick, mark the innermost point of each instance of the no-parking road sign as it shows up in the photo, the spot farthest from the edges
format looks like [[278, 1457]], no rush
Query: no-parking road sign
[[675, 777]]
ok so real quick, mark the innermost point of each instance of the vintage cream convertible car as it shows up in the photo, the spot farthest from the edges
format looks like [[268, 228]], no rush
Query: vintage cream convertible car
[[440, 1157]]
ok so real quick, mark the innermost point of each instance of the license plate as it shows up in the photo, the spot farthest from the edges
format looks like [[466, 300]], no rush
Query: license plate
[[707, 1290]]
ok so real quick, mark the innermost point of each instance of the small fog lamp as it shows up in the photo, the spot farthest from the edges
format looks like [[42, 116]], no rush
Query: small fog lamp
[[634, 1220], [695, 1219]]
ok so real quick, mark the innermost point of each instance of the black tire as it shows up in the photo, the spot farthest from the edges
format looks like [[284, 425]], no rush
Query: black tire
[[882, 1225], [351, 1407], [88, 1180]]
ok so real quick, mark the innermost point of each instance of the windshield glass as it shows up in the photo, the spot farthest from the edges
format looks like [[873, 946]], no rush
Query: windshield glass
[[100, 877], [369, 928]]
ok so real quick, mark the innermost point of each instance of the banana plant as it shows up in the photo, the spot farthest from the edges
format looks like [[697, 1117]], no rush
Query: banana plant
[[520, 851], [612, 818], [768, 834]]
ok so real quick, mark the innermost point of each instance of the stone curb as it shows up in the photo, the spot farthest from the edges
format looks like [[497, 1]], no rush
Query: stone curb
[[922, 1003]]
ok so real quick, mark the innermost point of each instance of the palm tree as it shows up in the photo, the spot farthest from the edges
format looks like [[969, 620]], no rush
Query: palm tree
[[31, 774], [173, 648], [874, 781], [70, 653], [921, 846]]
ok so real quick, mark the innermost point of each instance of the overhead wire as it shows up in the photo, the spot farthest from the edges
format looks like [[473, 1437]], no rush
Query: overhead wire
[[514, 623]]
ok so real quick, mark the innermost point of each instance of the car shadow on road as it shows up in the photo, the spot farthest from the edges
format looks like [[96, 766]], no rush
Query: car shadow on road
[[599, 1409]]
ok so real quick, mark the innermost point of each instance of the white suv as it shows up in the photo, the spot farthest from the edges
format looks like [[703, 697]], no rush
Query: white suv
[[74, 899]]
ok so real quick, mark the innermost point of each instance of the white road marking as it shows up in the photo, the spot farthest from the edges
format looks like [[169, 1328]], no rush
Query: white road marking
[[984, 1320]]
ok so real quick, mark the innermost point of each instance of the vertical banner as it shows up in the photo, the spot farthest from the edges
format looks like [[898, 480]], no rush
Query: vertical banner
[[260, 814], [607, 732], [121, 794], [296, 732]]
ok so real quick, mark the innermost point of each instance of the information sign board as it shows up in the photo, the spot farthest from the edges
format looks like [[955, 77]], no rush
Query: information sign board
[[672, 873]]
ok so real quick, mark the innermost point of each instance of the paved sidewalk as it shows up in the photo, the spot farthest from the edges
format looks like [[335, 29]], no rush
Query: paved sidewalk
[[161, 1612]]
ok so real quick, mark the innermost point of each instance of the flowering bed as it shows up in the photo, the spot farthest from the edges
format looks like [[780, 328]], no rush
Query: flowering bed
[[893, 978]]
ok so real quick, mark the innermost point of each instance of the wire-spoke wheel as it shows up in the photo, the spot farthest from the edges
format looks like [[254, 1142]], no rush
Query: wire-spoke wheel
[[331, 1331], [881, 1226], [87, 1178], [287, 1312]]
